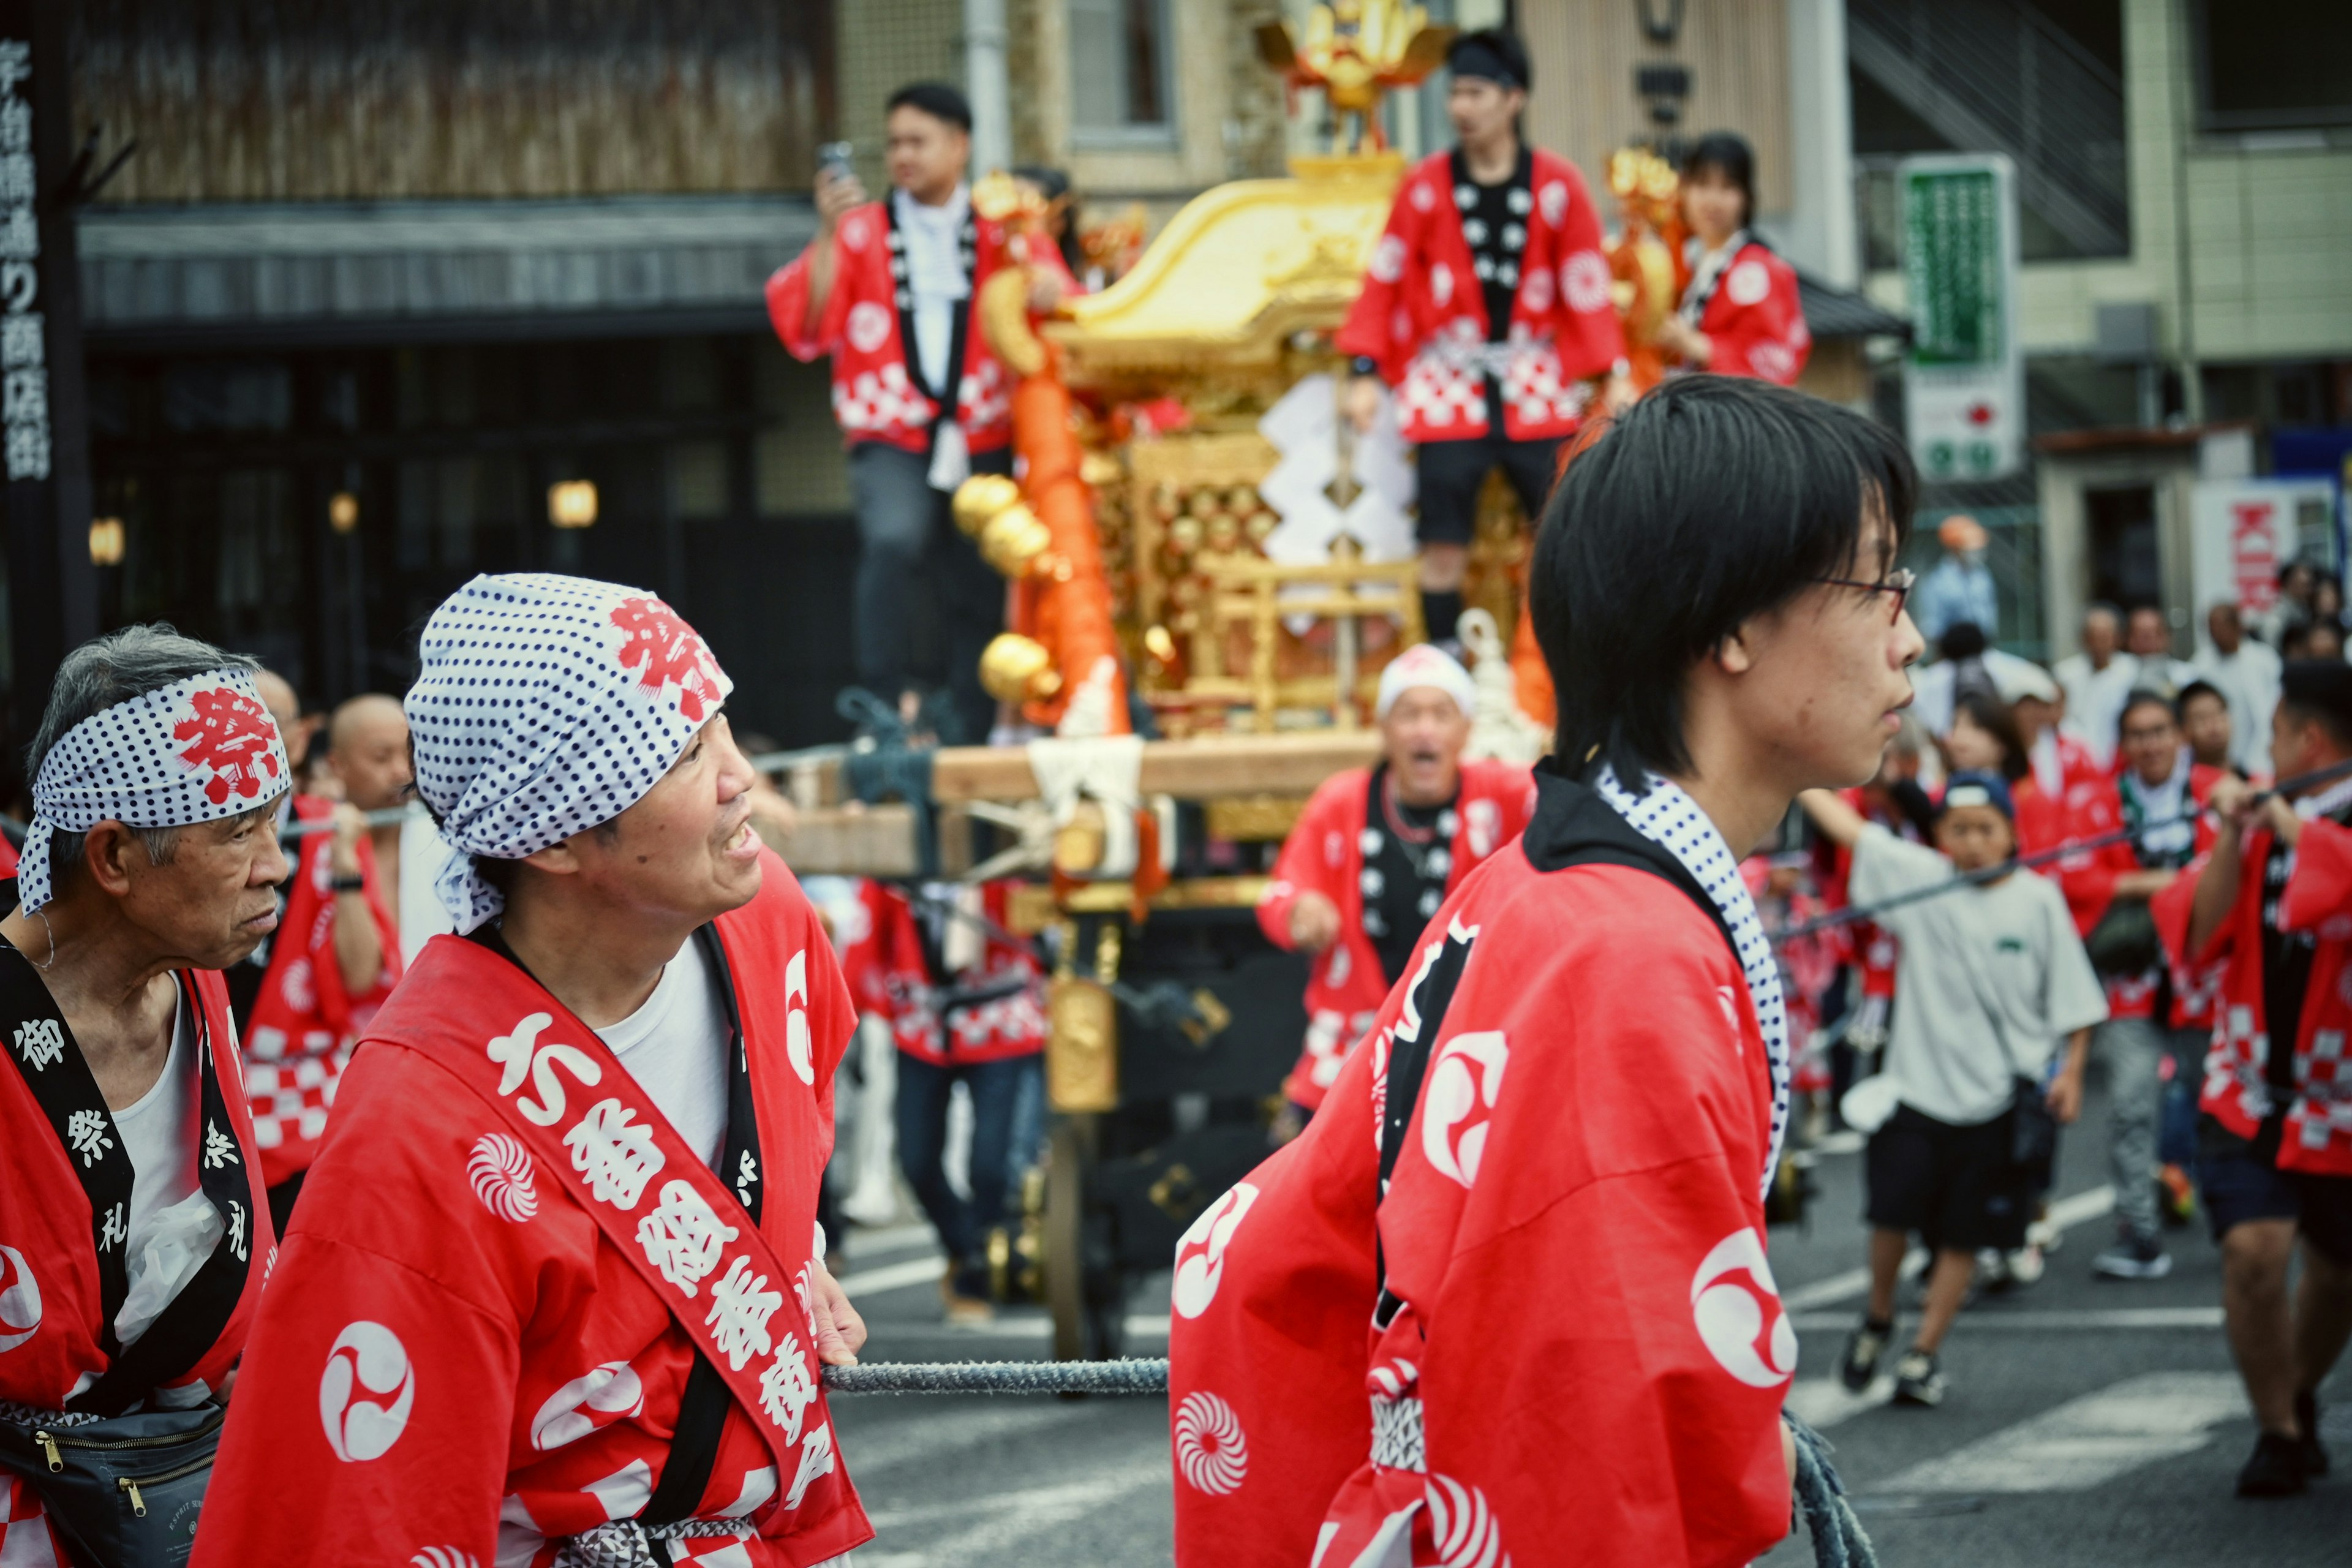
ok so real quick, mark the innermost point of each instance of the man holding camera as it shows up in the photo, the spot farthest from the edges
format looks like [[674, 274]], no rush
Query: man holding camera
[[887, 289]]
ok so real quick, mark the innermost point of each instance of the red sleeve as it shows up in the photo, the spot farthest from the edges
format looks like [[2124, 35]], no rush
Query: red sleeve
[[1768, 339], [374, 1405], [1304, 866], [1370, 329], [788, 297], [2320, 886], [2088, 878], [1657, 1396], [1591, 337], [2174, 908]]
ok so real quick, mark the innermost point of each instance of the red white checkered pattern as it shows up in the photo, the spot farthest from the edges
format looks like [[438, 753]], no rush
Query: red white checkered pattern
[[291, 1096], [25, 1541]]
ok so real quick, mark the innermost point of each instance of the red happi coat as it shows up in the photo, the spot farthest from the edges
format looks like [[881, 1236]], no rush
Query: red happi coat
[[884, 964], [1579, 1355], [456, 1358], [875, 397], [304, 1021], [1422, 308], [1324, 854], [50, 1293], [1754, 322], [2237, 1091], [2089, 882]]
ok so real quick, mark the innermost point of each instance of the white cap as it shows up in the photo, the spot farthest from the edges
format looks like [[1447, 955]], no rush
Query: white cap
[[2014, 677], [1425, 663]]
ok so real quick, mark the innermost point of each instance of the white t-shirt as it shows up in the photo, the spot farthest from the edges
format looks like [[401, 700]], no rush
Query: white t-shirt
[[675, 1047], [1990, 978], [2094, 699], [158, 1132], [935, 279]]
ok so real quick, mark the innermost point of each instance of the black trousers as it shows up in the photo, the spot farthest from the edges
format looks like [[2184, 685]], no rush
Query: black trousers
[[905, 530], [1454, 472]]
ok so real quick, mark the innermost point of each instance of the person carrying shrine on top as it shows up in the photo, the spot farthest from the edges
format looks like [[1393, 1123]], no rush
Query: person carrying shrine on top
[[888, 289], [1486, 307], [134, 1236], [555, 1286], [1740, 314], [1506, 1296], [1376, 851]]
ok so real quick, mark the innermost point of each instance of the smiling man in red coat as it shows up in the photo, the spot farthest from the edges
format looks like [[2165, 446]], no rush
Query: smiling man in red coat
[[1377, 850], [555, 1287], [1507, 1298]]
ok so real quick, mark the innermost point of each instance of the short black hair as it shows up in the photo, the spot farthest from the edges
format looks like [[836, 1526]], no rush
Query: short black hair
[[2196, 688], [2143, 696], [1500, 43], [1729, 154], [2320, 690], [1993, 716], [1712, 499], [936, 99], [1961, 639]]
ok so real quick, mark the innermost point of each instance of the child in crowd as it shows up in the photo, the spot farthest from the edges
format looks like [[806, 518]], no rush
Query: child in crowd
[[1992, 980]]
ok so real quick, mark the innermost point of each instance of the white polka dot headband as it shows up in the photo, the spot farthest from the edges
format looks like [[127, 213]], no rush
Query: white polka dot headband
[[194, 750], [546, 705]]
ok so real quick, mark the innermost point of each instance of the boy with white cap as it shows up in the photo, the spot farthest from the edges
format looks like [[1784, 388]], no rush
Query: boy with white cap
[[1377, 850], [556, 1292]]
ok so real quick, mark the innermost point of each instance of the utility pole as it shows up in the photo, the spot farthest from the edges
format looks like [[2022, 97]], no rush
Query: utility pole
[[44, 429]]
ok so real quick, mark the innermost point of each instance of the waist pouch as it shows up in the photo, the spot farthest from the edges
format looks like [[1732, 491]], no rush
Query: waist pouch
[[124, 1491]]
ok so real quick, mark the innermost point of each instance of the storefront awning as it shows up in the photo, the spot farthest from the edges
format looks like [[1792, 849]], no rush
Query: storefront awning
[[373, 272]]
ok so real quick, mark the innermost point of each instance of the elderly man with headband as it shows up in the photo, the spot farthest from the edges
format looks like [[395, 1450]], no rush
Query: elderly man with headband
[[1377, 850], [556, 1292], [133, 1233]]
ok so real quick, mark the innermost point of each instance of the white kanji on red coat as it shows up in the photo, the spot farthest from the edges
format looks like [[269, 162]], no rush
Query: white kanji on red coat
[[615, 1152], [682, 1238], [740, 1306], [788, 1388]]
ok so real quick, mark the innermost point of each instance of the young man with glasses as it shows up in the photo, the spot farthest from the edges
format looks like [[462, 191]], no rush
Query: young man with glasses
[[1540, 1173]]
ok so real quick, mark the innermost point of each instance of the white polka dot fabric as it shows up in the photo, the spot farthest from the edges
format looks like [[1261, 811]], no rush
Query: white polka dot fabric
[[547, 705], [1671, 818], [194, 750]]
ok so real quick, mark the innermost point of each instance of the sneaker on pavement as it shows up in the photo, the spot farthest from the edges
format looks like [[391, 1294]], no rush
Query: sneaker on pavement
[[2275, 1468], [2026, 1265], [1992, 1275], [2134, 1258], [1862, 1349], [2041, 1233], [2309, 1449], [1917, 1379]]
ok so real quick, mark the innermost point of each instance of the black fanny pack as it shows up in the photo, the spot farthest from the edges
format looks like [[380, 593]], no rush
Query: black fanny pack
[[125, 1491]]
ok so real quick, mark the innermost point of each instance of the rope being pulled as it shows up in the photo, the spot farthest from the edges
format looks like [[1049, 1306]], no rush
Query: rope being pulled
[[1129, 1377], [1838, 1538]]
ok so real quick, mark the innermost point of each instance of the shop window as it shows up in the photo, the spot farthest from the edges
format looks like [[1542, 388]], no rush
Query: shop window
[[1120, 81], [2280, 66]]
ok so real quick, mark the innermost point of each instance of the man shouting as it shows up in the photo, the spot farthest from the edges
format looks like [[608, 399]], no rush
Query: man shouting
[[555, 1292]]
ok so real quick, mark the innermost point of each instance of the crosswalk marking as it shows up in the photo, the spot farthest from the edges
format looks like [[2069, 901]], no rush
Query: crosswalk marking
[[2086, 1442], [1012, 1518], [2065, 1213], [2039, 1323]]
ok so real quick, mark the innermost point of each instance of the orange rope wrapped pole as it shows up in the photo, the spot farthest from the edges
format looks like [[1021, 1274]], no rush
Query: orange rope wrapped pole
[[1041, 535]]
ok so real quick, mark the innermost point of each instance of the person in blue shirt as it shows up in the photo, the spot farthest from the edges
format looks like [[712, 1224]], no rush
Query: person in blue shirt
[[1959, 587]]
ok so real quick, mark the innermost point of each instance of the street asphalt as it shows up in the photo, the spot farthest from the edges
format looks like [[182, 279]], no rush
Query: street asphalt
[[2089, 1423]]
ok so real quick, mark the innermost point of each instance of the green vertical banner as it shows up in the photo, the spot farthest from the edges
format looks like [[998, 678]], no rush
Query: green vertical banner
[[1964, 380]]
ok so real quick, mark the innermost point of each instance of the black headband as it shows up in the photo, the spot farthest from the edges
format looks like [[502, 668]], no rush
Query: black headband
[[1476, 58]]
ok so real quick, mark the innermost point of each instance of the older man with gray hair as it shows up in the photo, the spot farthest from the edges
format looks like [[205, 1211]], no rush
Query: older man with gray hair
[[133, 1240], [2097, 679]]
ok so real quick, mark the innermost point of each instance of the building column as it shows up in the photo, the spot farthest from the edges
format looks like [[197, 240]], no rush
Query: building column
[[985, 81], [1821, 233]]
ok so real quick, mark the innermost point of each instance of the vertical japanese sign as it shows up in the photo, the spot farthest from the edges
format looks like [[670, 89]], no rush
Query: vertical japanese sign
[[44, 448], [1964, 381], [24, 368]]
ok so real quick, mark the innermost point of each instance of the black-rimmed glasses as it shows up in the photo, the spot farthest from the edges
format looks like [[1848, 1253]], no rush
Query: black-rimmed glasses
[[1897, 583]]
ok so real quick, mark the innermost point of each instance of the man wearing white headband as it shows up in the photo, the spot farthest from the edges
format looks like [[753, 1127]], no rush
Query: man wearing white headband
[[555, 1292], [133, 1233], [1376, 851]]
